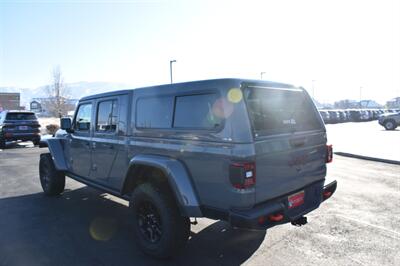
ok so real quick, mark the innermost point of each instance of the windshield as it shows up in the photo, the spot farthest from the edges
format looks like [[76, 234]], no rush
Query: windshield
[[274, 111], [20, 116]]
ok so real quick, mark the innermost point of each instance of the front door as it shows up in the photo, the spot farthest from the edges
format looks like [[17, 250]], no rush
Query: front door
[[105, 139], [80, 141]]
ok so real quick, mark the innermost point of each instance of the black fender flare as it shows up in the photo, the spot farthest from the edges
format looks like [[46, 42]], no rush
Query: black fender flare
[[178, 179], [57, 153]]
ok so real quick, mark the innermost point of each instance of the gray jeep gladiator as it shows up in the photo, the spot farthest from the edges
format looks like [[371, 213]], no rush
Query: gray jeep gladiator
[[252, 153]]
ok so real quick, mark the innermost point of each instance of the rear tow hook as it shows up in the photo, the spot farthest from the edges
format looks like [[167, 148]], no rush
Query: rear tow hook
[[300, 221]]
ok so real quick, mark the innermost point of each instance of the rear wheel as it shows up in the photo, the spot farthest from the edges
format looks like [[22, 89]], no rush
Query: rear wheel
[[52, 181], [159, 228], [389, 125]]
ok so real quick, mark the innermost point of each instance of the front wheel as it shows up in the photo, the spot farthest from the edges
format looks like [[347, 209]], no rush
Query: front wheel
[[36, 142], [52, 181], [389, 125], [159, 228]]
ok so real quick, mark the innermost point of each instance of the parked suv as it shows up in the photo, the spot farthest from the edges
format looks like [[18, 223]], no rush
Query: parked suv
[[389, 121], [248, 152], [19, 125]]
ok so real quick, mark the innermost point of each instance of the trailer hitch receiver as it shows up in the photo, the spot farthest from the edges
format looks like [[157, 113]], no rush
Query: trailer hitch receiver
[[299, 221]]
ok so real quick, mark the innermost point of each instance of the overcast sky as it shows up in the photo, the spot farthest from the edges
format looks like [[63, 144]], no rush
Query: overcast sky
[[342, 45]]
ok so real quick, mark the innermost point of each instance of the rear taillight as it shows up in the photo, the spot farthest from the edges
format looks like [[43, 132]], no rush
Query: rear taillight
[[329, 153], [242, 174]]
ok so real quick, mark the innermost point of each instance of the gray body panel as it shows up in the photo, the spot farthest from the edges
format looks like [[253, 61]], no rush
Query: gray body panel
[[196, 162], [284, 167]]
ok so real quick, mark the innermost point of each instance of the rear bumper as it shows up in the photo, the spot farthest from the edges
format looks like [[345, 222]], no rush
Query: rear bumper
[[7, 136], [276, 211]]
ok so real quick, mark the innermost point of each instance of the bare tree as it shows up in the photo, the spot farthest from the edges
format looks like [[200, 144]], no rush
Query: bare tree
[[56, 103]]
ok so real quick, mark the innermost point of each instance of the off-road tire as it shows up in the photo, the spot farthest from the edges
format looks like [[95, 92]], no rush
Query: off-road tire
[[174, 227], [52, 181], [36, 142], [390, 124]]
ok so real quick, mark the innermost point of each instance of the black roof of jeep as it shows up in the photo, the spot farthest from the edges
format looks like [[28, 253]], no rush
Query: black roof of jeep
[[200, 83]]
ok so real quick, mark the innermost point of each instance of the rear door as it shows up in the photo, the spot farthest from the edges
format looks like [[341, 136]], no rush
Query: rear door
[[105, 142], [290, 140]]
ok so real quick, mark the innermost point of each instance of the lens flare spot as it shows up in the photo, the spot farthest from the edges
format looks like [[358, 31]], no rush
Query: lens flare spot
[[222, 108], [102, 229], [235, 95]]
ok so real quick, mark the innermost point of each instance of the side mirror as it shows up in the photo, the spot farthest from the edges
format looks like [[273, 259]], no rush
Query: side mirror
[[66, 124]]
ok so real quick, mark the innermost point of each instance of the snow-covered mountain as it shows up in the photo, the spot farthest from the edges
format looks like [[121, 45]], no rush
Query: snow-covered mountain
[[75, 90]]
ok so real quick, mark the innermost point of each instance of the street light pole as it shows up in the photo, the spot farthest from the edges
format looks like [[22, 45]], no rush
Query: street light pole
[[170, 68], [360, 96], [261, 75]]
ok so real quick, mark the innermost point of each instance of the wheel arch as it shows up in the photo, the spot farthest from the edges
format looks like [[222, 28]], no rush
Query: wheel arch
[[57, 154], [143, 168]]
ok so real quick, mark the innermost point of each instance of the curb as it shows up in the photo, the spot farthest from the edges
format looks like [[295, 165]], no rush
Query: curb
[[345, 154]]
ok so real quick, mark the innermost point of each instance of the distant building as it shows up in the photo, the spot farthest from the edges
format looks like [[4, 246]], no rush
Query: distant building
[[346, 104], [352, 104], [393, 103], [370, 104], [10, 101], [36, 106]]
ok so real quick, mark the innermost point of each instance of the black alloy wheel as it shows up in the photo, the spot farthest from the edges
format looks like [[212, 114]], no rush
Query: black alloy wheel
[[149, 221]]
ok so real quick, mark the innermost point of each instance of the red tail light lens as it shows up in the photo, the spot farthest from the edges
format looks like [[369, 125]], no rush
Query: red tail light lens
[[329, 153], [275, 217], [326, 194], [242, 174]]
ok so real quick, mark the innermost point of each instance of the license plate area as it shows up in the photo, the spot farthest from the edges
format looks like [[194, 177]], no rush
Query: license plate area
[[296, 200], [23, 127]]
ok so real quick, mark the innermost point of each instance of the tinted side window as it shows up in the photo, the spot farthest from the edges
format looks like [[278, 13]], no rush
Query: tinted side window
[[107, 116], [196, 111], [154, 112], [83, 117]]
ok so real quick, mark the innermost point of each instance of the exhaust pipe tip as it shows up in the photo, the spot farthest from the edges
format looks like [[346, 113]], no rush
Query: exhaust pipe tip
[[300, 221]]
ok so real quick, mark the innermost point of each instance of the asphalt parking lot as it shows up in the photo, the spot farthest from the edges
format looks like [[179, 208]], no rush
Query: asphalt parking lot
[[358, 226], [366, 139]]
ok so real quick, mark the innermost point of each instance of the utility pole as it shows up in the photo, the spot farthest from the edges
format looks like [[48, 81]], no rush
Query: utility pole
[[261, 75], [170, 68]]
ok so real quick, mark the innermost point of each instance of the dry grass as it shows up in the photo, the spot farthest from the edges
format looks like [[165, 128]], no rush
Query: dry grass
[[44, 121]]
